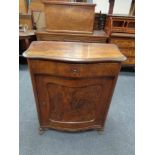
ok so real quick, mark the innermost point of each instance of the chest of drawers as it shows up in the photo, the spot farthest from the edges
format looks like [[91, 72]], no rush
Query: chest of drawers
[[126, 44], [121, 31], [73, 83], [120, 24]]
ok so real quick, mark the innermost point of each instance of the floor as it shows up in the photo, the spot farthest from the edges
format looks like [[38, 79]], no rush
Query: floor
[[117, 138]]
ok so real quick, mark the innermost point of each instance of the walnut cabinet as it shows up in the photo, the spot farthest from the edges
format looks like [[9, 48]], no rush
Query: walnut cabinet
[[73, 83]]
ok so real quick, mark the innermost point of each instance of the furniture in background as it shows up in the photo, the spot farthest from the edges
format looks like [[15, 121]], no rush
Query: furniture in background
[[71, 18], [126, 44], [121, 31], [25, 38], [74, 22], [73, 83], [27, 35], [99, 28], [98, 36], [119, 24], [37, 9], [37, 21]]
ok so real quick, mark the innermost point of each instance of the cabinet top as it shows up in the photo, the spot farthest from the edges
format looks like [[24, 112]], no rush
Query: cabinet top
[[73, 51]]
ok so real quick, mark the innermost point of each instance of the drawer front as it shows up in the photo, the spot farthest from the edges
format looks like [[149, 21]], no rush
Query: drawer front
[[73, 70], [123, 42], [128, 52]]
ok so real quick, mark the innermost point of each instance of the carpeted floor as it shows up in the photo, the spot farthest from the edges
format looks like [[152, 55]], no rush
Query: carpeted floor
[[117, 138]]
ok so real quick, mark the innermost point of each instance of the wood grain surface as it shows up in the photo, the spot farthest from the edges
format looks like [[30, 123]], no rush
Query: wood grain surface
[[72, 17], [73, 95], [73, 51]]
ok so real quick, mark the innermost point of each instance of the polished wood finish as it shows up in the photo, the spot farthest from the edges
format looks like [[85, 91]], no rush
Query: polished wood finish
[[98, 36], [71, 18], [121, 31], [73, 83], [126, 44], [72, 51], [119, 23], [37, 7]]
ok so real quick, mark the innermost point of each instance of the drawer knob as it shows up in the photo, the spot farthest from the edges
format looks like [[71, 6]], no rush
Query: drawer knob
[[74, 70]]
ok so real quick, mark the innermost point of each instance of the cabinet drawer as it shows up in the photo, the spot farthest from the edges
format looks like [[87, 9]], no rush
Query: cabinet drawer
[[123, 42], [128, 52], [73, 69]]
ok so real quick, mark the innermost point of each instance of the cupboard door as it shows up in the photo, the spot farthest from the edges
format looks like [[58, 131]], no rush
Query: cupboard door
[[73, 103]]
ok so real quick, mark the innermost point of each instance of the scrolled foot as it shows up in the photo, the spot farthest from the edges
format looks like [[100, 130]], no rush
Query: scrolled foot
[[41, 131], [100, 131]]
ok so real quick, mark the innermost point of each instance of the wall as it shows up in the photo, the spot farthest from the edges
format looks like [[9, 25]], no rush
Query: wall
[[120, 6]]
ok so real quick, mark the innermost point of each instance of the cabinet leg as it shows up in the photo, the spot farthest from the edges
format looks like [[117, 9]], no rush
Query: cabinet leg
[[100, 131], [41, 130]]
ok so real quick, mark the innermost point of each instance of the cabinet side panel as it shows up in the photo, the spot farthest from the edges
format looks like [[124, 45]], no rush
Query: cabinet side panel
[[34, 86]]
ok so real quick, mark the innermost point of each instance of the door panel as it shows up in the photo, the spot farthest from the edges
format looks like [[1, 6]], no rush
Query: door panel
[[72, 102]]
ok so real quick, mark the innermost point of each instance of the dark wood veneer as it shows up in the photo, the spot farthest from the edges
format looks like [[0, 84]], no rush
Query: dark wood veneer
[[75, 94]]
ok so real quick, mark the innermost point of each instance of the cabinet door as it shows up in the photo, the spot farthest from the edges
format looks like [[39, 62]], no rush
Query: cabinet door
[[73, 103]]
